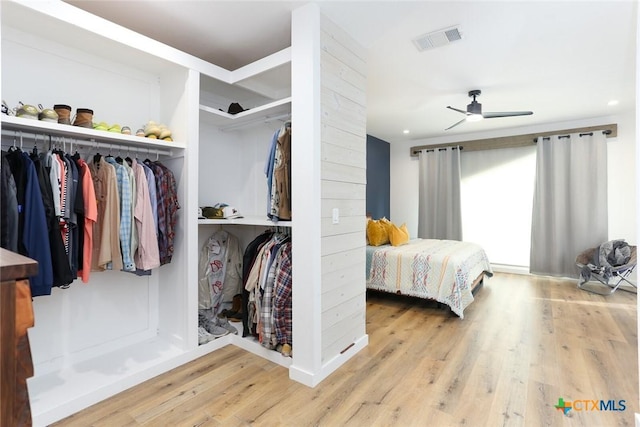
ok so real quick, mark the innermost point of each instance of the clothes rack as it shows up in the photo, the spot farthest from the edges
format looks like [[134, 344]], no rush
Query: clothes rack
[[74, 142]]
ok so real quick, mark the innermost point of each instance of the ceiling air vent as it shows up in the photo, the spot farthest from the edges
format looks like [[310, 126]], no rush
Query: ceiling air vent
[[437, 38]]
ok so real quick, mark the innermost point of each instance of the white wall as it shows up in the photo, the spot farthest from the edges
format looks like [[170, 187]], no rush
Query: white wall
[[497, 201], [343, 185]]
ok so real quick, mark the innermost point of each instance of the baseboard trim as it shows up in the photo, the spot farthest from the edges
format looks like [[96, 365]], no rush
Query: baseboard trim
[[514, 269], [311, 379]]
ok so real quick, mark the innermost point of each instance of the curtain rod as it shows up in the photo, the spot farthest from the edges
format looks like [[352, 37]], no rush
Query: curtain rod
[[610, 130], [605, 132], [445, 149]]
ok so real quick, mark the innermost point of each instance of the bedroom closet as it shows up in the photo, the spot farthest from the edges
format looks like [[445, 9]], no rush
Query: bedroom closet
[[78, 212], [93, 340]]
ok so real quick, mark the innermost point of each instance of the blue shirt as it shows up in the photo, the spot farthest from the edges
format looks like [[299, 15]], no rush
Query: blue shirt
[[126, 213], [268, 169]]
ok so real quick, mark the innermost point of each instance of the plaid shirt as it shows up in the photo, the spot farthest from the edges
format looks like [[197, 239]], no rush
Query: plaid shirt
[[282, 312], [266, 309], [168, 205], [126, 213]]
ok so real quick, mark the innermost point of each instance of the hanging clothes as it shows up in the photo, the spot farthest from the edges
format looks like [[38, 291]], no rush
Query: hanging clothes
[[168, 205], [278, 172], [268, 333], [153, 197], [268, 170], [106, 245], [268, 285], [281, 191], [220, 266], [126, 213], [282, 302], [74, 196], [67, 214], [33, 237], [62, 273], [250, 254], [8, 207], [147, 254], [133, 247], [64, 194], [88, 220]]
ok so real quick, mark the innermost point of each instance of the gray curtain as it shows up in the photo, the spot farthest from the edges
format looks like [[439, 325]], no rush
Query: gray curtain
[[439, 213], [569, 203]]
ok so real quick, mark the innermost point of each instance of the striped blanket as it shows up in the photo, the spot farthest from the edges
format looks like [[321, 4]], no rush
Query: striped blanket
[[442, 270]]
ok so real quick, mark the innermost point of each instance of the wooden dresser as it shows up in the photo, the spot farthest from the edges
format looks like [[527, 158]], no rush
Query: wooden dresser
[[16, 315]]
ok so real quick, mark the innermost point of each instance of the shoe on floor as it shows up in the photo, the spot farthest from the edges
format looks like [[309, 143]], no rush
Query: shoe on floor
[[212, 326], [224, 323], [204, 336], [286, 350], [235, 313]]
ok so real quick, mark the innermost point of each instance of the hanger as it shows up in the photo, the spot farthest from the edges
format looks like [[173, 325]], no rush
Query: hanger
[[34, 150], [119, 159], [128, 158]]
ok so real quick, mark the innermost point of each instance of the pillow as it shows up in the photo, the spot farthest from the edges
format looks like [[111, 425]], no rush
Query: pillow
[[399, 235], [386, 224], [377, 233]]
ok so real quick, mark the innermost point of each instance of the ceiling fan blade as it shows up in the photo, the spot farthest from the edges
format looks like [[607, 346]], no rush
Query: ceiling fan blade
[[506, 114], [459, 111], [456, 124]]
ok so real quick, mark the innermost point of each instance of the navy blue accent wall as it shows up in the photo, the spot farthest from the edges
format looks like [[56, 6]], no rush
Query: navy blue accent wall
[[378, 177]]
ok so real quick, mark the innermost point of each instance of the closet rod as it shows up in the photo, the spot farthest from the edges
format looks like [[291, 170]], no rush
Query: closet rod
[[85, 143]]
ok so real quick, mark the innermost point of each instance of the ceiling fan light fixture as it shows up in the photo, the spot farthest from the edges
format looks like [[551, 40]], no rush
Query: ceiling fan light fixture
[[474, 111]]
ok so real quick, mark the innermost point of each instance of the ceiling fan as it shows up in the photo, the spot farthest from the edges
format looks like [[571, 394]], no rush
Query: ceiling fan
[[474, 111]]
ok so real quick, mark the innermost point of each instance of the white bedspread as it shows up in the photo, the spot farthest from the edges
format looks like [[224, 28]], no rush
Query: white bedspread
[[443, 270]]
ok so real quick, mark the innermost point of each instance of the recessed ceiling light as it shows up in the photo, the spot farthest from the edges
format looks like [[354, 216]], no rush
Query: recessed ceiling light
[[406, 131], [613, 102]]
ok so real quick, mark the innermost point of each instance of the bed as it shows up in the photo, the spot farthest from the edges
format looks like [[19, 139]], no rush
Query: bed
[[446, 271]]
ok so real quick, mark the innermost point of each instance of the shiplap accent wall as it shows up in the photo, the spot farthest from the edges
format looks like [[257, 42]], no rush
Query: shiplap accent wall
[[343, 186]]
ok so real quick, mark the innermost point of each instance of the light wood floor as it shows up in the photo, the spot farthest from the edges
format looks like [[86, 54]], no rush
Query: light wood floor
[[524, 343]]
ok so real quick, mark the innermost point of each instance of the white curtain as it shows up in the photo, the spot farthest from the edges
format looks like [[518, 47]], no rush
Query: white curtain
[[569, 202], [439, 213]]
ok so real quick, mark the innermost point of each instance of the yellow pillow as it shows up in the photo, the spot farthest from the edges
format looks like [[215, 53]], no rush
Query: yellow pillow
[[377, 233], [386, 224], [399, 235]]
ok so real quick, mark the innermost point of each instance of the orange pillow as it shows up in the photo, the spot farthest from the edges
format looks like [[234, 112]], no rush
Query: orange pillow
[[377, 233], [399, 235]]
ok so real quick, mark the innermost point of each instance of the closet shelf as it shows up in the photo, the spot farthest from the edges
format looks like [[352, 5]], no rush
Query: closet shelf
[[276, 110], [252, 345], [247, 220], [81, 134]]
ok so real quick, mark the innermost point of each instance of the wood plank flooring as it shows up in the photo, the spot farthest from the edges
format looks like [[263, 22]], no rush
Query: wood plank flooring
[[524, 343]]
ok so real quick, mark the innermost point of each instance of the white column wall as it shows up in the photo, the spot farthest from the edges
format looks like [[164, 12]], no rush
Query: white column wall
[[305, 193]]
